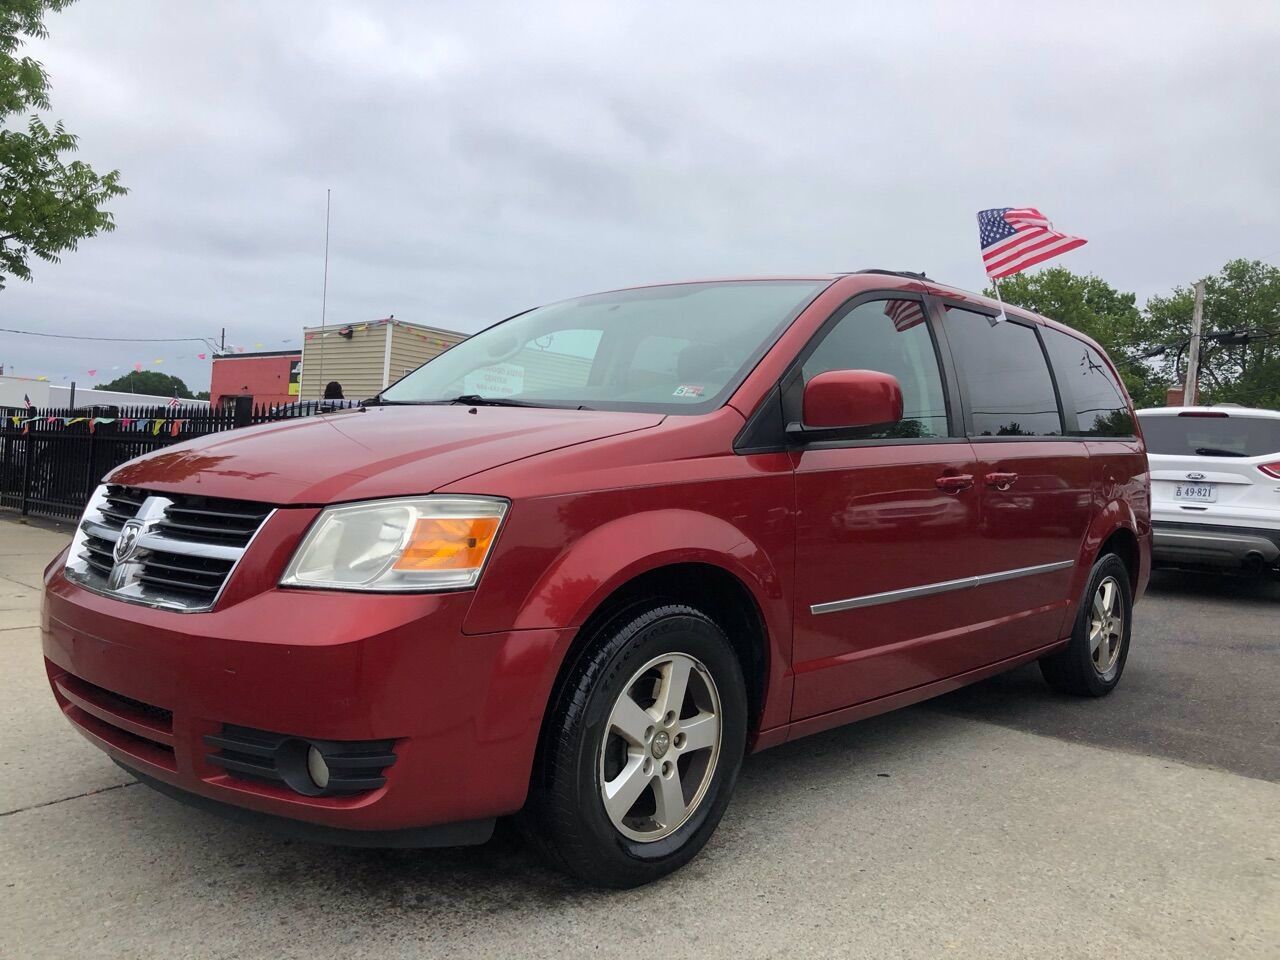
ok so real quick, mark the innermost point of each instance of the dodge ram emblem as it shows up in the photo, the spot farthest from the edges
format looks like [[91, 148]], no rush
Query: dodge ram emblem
[[128, 540]]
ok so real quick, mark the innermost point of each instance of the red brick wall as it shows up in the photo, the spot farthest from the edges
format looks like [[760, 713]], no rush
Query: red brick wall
[[266, 378]]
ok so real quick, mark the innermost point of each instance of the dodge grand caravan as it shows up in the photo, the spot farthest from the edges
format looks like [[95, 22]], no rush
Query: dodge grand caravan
[[577, 566]]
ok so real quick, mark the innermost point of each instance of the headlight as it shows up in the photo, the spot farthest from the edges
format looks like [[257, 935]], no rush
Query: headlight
[[419, 543]]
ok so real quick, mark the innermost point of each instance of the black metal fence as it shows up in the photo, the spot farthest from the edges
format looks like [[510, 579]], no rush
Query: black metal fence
[[51, 459]]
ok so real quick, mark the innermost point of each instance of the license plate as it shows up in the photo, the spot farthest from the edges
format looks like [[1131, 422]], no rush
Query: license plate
[[1199, 492]]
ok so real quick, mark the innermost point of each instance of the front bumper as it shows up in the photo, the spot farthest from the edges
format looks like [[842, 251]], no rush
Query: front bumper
[[463, 712], [1200, 544]]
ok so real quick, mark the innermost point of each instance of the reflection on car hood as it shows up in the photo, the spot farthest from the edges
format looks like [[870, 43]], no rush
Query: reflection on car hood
[[379, 452]]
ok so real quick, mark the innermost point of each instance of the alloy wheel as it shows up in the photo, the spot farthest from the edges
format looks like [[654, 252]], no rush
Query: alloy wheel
[[1106, 626], [660, 747]]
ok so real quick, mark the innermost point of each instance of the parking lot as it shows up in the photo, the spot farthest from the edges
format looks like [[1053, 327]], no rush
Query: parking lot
[[999, 821]]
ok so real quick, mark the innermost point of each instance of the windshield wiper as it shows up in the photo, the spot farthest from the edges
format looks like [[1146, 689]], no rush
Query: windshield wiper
[[381, 401], [475, 400], [1215, 452]]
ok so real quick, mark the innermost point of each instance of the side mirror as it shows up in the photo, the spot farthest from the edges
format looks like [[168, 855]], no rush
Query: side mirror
[[841, 399]]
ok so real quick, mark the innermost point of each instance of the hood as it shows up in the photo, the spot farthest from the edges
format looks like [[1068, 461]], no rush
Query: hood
[[360, 454]]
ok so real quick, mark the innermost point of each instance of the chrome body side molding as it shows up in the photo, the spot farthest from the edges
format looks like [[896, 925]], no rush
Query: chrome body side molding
[[929, 589]]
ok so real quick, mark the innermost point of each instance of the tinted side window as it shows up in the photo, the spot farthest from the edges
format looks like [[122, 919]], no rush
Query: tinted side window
[[1089, 386], [1010, 391], [889, 336]]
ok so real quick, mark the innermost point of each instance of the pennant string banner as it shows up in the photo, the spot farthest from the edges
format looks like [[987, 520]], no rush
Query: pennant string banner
[[140, 365], [156, 423]]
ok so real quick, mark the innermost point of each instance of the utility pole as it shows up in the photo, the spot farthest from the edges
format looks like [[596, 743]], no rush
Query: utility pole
[[1190, 392], [324, 296]]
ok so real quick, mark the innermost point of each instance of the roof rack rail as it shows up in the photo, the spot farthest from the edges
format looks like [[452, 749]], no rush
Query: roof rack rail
[[896, 273]]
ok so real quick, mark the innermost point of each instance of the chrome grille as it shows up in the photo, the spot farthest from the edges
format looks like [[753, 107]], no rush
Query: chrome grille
[[120, 504], [166, 550], [97, 554], [198, 576], [204, 520]]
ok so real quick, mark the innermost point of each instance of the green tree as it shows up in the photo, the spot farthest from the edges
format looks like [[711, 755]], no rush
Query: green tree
[[1094, 307], [150, 382], [1244, 296], [47, 205]]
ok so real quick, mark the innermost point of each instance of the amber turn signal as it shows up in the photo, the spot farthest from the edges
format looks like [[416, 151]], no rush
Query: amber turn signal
[[448, 544]]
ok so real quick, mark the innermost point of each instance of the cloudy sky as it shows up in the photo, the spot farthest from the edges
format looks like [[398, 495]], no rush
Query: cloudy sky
[[486, 157]]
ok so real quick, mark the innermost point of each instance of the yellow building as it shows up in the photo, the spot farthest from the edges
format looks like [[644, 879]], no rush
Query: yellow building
[[366, 357]]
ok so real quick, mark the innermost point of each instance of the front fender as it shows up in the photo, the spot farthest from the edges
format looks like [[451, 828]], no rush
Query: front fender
[[526, 589], [588, 571]]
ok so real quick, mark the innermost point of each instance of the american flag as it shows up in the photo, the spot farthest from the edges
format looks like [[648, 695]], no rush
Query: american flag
[[174, 401], [1014, 238], [905, 314], [26, 401]]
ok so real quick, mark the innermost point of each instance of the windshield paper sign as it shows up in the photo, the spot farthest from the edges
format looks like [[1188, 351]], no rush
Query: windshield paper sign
[[498, 380]]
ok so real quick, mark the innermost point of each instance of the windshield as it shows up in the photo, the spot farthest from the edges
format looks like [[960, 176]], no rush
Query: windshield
[[1210, 435], [681, 348]]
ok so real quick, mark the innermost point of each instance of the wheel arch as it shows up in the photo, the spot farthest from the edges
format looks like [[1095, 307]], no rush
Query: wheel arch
[[674, 555], [1123, 542], [692, 556], [1114, 530], [707, 587]]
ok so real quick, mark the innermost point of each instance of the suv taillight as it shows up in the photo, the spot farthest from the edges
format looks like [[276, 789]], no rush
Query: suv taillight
[[1271, 469]]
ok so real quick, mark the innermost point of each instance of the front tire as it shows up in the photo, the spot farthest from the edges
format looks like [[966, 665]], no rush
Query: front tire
[[1093, 660], [642, 749]]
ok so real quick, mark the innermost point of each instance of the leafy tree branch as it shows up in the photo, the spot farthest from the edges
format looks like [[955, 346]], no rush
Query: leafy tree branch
[[48, 204]]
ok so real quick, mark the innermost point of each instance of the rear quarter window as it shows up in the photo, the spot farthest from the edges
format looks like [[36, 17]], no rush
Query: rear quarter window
[[1088, 387]]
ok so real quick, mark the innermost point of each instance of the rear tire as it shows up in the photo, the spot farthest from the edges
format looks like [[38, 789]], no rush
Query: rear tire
[[641, 750], [1093, 660]]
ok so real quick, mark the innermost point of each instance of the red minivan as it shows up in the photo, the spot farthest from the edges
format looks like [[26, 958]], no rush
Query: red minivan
[[580, 564]]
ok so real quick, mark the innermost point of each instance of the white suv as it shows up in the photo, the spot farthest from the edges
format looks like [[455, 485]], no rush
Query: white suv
[[1215, 486]]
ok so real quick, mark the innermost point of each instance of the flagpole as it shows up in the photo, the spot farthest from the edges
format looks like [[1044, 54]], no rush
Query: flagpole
[[996, 283], [324, 291]]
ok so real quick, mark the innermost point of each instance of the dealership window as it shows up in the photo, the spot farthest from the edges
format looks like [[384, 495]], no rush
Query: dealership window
[[1089, 387], [1006, 375], [889, 336]]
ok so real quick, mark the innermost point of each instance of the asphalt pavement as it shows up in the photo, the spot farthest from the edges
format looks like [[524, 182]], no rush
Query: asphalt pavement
[[1000, 821], [1202, 683]]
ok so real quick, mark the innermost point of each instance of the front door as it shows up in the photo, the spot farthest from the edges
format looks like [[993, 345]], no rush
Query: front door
[[888, 524]]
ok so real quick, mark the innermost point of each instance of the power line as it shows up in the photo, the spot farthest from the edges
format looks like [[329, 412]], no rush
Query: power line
[[72, 336]]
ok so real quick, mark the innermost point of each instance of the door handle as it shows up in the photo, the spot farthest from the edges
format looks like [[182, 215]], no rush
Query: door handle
[[954, 482], [1001, 481]]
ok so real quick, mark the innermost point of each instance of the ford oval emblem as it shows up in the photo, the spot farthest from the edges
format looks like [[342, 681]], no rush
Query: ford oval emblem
[[1195, 476]]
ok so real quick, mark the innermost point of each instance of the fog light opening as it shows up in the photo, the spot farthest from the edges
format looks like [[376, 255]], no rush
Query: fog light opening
[[317, 768]]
